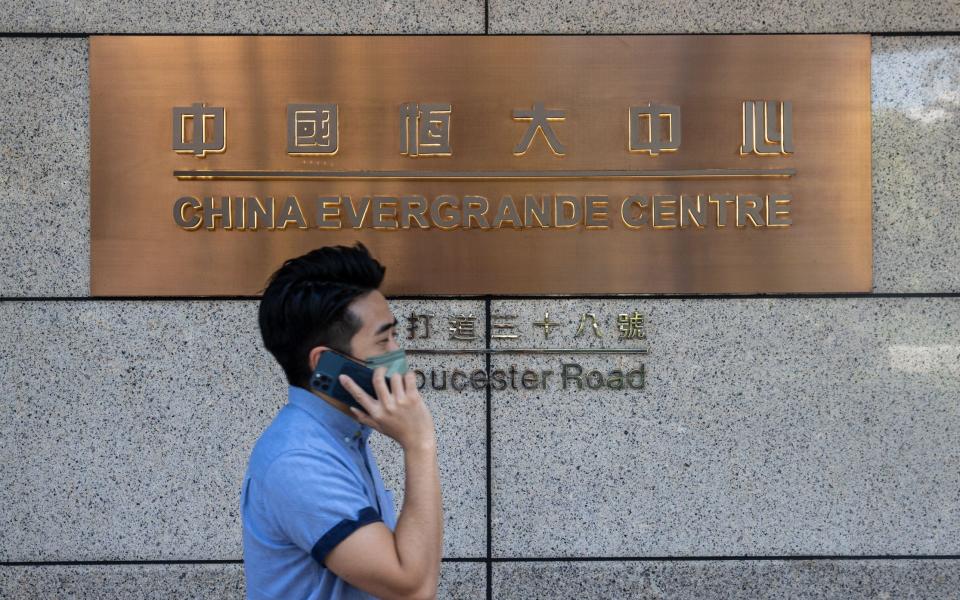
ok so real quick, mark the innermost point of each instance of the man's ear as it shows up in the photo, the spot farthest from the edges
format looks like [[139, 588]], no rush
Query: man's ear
[[314, 356]]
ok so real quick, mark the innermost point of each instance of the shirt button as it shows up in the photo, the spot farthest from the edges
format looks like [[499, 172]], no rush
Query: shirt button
[[346, 438]]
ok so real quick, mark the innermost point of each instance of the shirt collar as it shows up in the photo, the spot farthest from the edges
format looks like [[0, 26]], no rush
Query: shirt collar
[[342, 425]]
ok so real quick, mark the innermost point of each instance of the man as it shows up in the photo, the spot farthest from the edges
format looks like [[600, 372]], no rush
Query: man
[[317, 521]]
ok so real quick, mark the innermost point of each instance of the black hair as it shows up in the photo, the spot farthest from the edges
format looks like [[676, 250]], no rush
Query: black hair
[[305, 304]]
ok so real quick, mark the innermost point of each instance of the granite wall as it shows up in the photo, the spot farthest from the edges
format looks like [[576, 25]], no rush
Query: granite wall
[[803, 447]]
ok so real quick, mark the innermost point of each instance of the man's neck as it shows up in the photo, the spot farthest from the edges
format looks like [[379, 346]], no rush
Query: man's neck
[[335, 403]]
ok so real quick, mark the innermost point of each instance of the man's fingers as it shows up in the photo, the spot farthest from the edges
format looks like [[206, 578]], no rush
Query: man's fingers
[[357, 392], [379, 384], [396, 386], [410, 382], [390, 402]]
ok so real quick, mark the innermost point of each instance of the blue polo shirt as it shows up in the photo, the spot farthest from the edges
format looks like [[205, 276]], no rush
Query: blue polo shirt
[[310, 482]]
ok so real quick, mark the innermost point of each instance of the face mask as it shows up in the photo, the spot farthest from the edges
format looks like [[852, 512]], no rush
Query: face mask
[[395, 362]]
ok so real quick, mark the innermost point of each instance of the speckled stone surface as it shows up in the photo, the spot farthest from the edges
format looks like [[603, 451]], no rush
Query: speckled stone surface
[[117, 582], [462, 581], [44, 168], [738, 16], [916, 163], [729, 580], [125, 430], [763, 427], [233, 16], [458, 581]]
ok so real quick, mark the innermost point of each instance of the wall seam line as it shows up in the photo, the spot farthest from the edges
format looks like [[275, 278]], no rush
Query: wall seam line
[[520, 559], [87, 34], [790, 296], [489, 458]]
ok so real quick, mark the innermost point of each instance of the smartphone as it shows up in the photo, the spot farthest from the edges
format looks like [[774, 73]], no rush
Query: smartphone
[[326, 377]]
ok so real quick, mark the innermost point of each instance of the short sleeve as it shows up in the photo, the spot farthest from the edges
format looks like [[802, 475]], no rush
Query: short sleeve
[[316, 500]]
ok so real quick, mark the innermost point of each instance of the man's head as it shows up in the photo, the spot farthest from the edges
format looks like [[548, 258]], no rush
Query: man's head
[[325, 299]]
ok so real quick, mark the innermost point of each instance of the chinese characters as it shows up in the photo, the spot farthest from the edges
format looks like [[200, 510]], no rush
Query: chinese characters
[[312, 129], [424, 129], [464, 327]]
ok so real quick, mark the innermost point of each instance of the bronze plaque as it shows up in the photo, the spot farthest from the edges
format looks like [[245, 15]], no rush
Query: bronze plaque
[[484, 165]]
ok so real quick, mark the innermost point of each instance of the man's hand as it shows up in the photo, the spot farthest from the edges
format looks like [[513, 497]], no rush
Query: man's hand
[[398, 411], [405, 563]]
